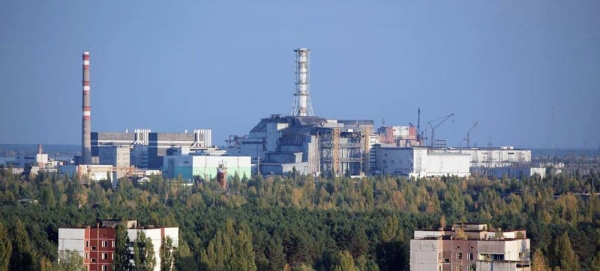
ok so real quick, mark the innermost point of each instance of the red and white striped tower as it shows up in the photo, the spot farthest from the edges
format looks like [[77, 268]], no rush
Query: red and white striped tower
[[86, 151]]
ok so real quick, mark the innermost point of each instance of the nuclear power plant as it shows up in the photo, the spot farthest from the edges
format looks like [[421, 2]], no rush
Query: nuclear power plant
[[302, 142]]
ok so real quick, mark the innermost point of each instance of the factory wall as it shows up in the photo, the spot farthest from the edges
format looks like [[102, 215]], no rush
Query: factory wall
[[513, 172], [448, 163], [418, 161], [118, 156], [493, 157], [394, 161], [149, 148], [282, 169], [205, 166]]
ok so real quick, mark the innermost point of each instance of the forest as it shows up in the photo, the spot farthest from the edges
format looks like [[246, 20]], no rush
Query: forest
[[300, 222]]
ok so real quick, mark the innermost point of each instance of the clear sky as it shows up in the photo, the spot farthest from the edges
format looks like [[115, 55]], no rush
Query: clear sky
[[223, 65]]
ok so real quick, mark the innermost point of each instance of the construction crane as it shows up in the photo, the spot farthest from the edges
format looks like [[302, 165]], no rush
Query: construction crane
[[419, 132], [439, 121], [468, 137]]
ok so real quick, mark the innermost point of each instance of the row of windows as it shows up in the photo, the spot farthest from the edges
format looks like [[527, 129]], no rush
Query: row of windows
[[103, 256], [459, 256], [102, 243]]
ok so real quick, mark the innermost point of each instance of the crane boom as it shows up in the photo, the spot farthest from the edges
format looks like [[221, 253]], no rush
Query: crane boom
[[468, 137], [440, 120]]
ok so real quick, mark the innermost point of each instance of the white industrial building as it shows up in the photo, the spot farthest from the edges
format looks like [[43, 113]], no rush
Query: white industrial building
[[419, 162], [205, 167], [492, 157], [426, 161]]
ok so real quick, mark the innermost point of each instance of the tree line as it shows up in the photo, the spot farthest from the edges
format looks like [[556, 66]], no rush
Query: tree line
[[299, 222]]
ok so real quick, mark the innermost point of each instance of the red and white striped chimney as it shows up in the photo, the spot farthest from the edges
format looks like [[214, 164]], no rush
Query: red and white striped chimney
[[86, 151]]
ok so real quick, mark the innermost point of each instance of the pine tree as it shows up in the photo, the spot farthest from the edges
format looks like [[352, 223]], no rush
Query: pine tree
[[595, 265], [344, 262], [184, 258], [275, 254], [166, 254], [5, 248], [143, 255], [22, 255], [565, 255], [121, 254], [538, 261], [229, 250]]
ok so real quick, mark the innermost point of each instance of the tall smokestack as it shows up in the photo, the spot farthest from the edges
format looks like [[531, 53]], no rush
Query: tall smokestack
[[302, 105], [86, 129]]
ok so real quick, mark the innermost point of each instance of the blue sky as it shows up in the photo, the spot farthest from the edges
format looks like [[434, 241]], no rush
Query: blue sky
[[223, 65]]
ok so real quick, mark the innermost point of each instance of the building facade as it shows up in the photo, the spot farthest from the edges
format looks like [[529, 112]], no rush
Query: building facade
[[470, 247], [205, 167], [419, 162], [96, 245], [308, 143], [146, 148]]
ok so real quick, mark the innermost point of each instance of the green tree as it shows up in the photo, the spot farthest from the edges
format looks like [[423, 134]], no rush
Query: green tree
[[70, 261], [538, 262], [565, 255], [121, 255], [22, 255], [344, 262], [229, 250], [143, 254], [595, 265], [166, 254], [275, 254], [5, 248], [184, 258]]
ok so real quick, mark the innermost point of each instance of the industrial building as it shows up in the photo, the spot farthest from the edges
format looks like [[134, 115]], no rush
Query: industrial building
[[428, 161], [303, 141], [147, 149], [142, 148], [205, 167], [470, 247], [419, 162], [96, 244]]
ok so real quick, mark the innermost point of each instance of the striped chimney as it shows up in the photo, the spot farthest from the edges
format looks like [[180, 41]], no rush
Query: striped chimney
[[86, 150]]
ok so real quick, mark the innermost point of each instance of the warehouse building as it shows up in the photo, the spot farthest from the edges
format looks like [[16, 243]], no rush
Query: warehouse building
[[419, 162]]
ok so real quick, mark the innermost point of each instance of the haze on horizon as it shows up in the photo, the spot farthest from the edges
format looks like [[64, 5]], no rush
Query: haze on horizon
[[225, 65]]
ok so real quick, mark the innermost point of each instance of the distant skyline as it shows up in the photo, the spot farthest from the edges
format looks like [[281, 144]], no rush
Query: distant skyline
[[224, 65]]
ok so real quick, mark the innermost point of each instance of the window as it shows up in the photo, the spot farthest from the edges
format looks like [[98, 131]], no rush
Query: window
[[93, 260], [469, 256], [87, 243], [104, 243], [459, 256], [113, 243], [104, 268], [104, 256], [85, 255], [93, 247]]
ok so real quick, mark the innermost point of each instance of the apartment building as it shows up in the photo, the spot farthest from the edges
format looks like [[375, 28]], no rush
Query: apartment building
[[467, 247], [96, 245]]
